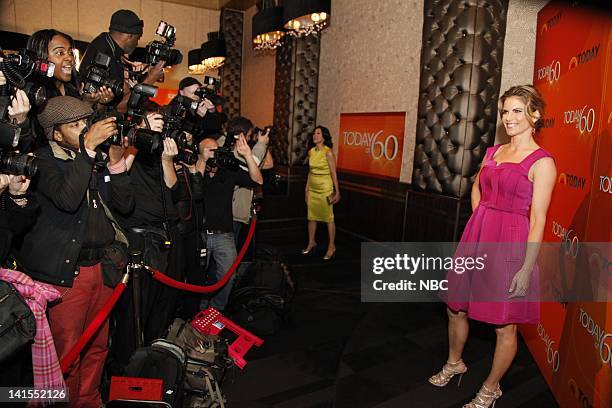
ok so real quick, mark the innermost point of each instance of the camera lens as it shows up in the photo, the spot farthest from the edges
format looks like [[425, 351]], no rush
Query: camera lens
[[36, 94], [145, 140], [18, 164]]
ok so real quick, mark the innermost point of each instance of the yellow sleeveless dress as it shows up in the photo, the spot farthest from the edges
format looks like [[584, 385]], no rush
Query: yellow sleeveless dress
[[321, 186]]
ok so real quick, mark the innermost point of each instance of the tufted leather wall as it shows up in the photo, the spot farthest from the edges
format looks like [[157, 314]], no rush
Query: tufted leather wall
[[461, 62], [230, 72], [295, 98]]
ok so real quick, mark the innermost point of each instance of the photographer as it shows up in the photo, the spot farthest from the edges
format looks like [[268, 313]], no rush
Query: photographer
[[206, 119], [153, 224], [75, 244], [120, 41], [217, 232], [17, 206], [243, 197]]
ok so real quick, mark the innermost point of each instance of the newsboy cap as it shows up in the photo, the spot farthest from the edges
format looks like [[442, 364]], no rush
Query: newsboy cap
[[60, 110]]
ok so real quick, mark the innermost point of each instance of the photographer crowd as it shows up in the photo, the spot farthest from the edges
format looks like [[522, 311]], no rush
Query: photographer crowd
[[92, 171]]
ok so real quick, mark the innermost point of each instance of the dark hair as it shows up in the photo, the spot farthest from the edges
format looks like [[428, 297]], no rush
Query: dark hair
[[238, 125], [533, 101], [327, 139], [38, 44]]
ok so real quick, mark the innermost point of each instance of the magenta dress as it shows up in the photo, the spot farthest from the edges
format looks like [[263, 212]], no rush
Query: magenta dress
[[501, 219]]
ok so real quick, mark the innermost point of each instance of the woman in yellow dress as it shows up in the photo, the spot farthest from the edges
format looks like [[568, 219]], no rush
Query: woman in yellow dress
[[322, 190]]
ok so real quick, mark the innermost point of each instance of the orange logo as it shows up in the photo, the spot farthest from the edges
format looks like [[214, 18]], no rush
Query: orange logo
[[371, 143], [610, 118], [544, 28], [562, 179], [573, 63]]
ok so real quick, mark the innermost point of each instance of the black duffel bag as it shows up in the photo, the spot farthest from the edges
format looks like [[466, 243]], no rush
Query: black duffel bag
[[17, 322]]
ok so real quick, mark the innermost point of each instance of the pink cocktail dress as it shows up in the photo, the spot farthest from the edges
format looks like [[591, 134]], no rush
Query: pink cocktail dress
[[499, 227]]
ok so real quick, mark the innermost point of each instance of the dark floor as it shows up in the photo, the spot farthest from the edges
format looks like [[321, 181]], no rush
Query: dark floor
[[339, 352]]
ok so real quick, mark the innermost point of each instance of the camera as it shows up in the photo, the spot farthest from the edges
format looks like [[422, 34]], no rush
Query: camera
[[18, 164], [19, 67], [210, 90], [142, 139], [98, 75], [162, 50], [175, 127], [224, 157]]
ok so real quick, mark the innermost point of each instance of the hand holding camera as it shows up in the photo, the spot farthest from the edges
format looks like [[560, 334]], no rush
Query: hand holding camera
[[170, 149], [102, 95], [242, 147], [99, 132], [19, 108], [205, 106]]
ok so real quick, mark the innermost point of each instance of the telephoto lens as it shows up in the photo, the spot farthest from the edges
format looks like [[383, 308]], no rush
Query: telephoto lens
[[145, 140], [18, 164]]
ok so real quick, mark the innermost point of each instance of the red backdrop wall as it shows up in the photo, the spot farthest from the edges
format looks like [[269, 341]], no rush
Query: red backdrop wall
[[573, 71]]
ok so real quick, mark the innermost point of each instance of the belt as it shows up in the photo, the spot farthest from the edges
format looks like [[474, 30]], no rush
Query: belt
[[215, 231], [520, 211]]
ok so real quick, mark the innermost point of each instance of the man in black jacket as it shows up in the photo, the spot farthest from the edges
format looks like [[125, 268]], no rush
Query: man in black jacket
[[121, 40], [78, 190]]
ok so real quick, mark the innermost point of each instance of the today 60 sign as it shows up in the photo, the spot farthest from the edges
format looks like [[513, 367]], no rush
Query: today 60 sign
[[371, 143]]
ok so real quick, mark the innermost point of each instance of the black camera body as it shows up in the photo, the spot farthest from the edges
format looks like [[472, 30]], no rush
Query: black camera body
[[17, 68], [210, 90], [162, 50], [175, 127], [144, 140], [98, 75]]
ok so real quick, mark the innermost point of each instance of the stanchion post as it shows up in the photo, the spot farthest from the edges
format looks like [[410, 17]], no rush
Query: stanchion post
[[135, 268]]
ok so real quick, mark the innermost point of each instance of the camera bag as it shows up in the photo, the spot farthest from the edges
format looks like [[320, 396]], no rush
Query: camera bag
[[17, 322]]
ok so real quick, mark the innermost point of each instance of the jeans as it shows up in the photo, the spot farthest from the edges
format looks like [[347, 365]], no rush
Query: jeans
[[221, 249]]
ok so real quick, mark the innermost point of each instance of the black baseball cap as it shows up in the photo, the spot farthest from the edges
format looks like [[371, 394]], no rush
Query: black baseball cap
[[188, 81], [126, 21]]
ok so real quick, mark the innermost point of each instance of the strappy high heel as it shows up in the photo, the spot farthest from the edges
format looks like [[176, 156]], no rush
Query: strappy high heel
[[485, 398], [449, 370]]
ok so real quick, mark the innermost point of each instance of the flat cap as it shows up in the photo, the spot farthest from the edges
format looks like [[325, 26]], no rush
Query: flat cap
[[60, 110]]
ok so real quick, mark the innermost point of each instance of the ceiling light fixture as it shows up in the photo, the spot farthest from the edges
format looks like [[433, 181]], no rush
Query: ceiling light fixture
[[305, 17]]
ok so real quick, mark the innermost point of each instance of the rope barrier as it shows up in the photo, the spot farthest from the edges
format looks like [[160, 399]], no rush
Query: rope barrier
[[102, 315], [93, 327], [166, 280]]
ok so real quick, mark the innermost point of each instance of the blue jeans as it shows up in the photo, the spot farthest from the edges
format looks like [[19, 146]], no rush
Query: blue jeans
[[221, 250]]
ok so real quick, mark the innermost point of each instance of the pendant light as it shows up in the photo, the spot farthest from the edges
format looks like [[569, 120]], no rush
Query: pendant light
[[305, 17], [213, 51], [267, 26]]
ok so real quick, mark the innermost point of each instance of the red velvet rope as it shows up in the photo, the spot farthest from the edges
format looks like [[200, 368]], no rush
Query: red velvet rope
[[166, 280], [92, 328]]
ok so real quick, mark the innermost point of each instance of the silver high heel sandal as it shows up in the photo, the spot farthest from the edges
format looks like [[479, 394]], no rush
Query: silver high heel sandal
[[449, 370], [485, 398]]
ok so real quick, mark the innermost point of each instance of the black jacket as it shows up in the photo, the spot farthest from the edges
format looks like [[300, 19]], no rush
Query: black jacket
[[14, 220], [51, 249]]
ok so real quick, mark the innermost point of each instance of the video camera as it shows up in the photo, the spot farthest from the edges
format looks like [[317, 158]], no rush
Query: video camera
[[142, 139], [98, 75], [163, 51], [210, 90]]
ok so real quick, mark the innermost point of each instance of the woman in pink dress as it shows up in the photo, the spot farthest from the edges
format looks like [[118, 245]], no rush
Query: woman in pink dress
[[510, 199]]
